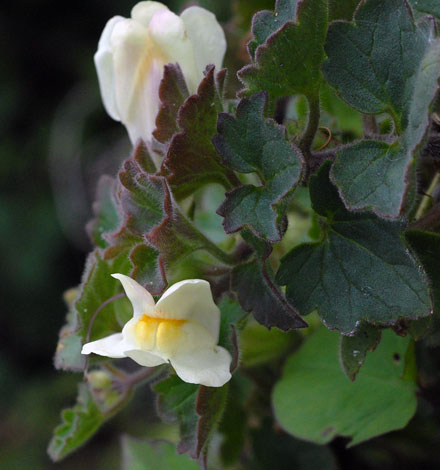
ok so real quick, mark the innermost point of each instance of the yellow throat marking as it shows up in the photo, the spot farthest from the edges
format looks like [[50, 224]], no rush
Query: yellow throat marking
[[158, 332]]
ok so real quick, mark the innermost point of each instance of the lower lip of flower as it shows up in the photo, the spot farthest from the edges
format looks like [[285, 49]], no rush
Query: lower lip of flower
[[157, 333]]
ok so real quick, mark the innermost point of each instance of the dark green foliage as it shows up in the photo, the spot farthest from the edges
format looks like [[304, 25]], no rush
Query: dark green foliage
[[360, 271], [249, 143]]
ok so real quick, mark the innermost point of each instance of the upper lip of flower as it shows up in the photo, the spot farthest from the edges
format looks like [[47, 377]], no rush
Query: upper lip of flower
[[182, 328]]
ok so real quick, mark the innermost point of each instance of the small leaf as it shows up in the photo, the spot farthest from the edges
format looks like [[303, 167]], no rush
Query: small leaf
[[289, 61], [248, 143], [83, 420], [379, 401], [383, 62], [360, 271], [197, 409], [264, 23], [353, 349], [191, 160], [172, 93], [138, 454], [258, 293]]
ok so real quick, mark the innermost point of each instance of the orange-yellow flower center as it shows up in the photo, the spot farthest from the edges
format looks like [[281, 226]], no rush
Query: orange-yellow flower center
[[160, 333]]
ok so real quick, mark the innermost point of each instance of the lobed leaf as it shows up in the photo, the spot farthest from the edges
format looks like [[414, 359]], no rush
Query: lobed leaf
[[191, 160], [248, 143], [380, 400], [197, 409], [80, 422], [360, 270], [289, 61], [383, 62], [257, 292]]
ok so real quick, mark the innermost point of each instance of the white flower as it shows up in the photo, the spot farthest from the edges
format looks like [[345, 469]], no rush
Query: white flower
[[182, 328], [132, 53]]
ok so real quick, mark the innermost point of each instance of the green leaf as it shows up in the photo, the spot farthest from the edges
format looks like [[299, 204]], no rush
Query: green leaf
[[107, 216], [383, 62], [140, 454], [197, 409], [84, 419], [153, 216], [172, 93], [258, 293], [379, 401], [191, 160], [289, 61], [97, 287], [431, 7], [264, 23], [359, 271], [248, 143], [353, 349]]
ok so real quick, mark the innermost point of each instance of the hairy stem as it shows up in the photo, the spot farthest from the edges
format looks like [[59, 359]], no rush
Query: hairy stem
[[306, 141], [369, 125]]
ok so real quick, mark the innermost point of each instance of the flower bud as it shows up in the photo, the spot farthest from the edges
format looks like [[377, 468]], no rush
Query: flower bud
[[132, 53]]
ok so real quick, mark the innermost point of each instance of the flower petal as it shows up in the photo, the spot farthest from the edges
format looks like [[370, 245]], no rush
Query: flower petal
[[104, 68], [208, 367], [167, 31], [145, 358], [110, 346], [143, 11], [173, 339], [138, 70], [206, 36], [139, 297], [191, 300]]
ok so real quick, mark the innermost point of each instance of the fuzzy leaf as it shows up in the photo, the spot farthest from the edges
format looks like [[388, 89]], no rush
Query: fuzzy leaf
[[172, 93], [248, 143], [258, 293], [154, 217], [353, 349], [289, 61], [140, 454], [196, 408], [96, 288], [191, 160], [80, 422], [264, 23], [360, 271], [376, 73], [379, 401]]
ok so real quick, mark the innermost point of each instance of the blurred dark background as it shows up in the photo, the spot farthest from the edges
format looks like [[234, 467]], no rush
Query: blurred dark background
[[55, 140]]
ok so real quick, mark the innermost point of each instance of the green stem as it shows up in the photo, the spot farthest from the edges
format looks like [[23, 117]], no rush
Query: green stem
[[212, 248], [306, 141], [427, 198]]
